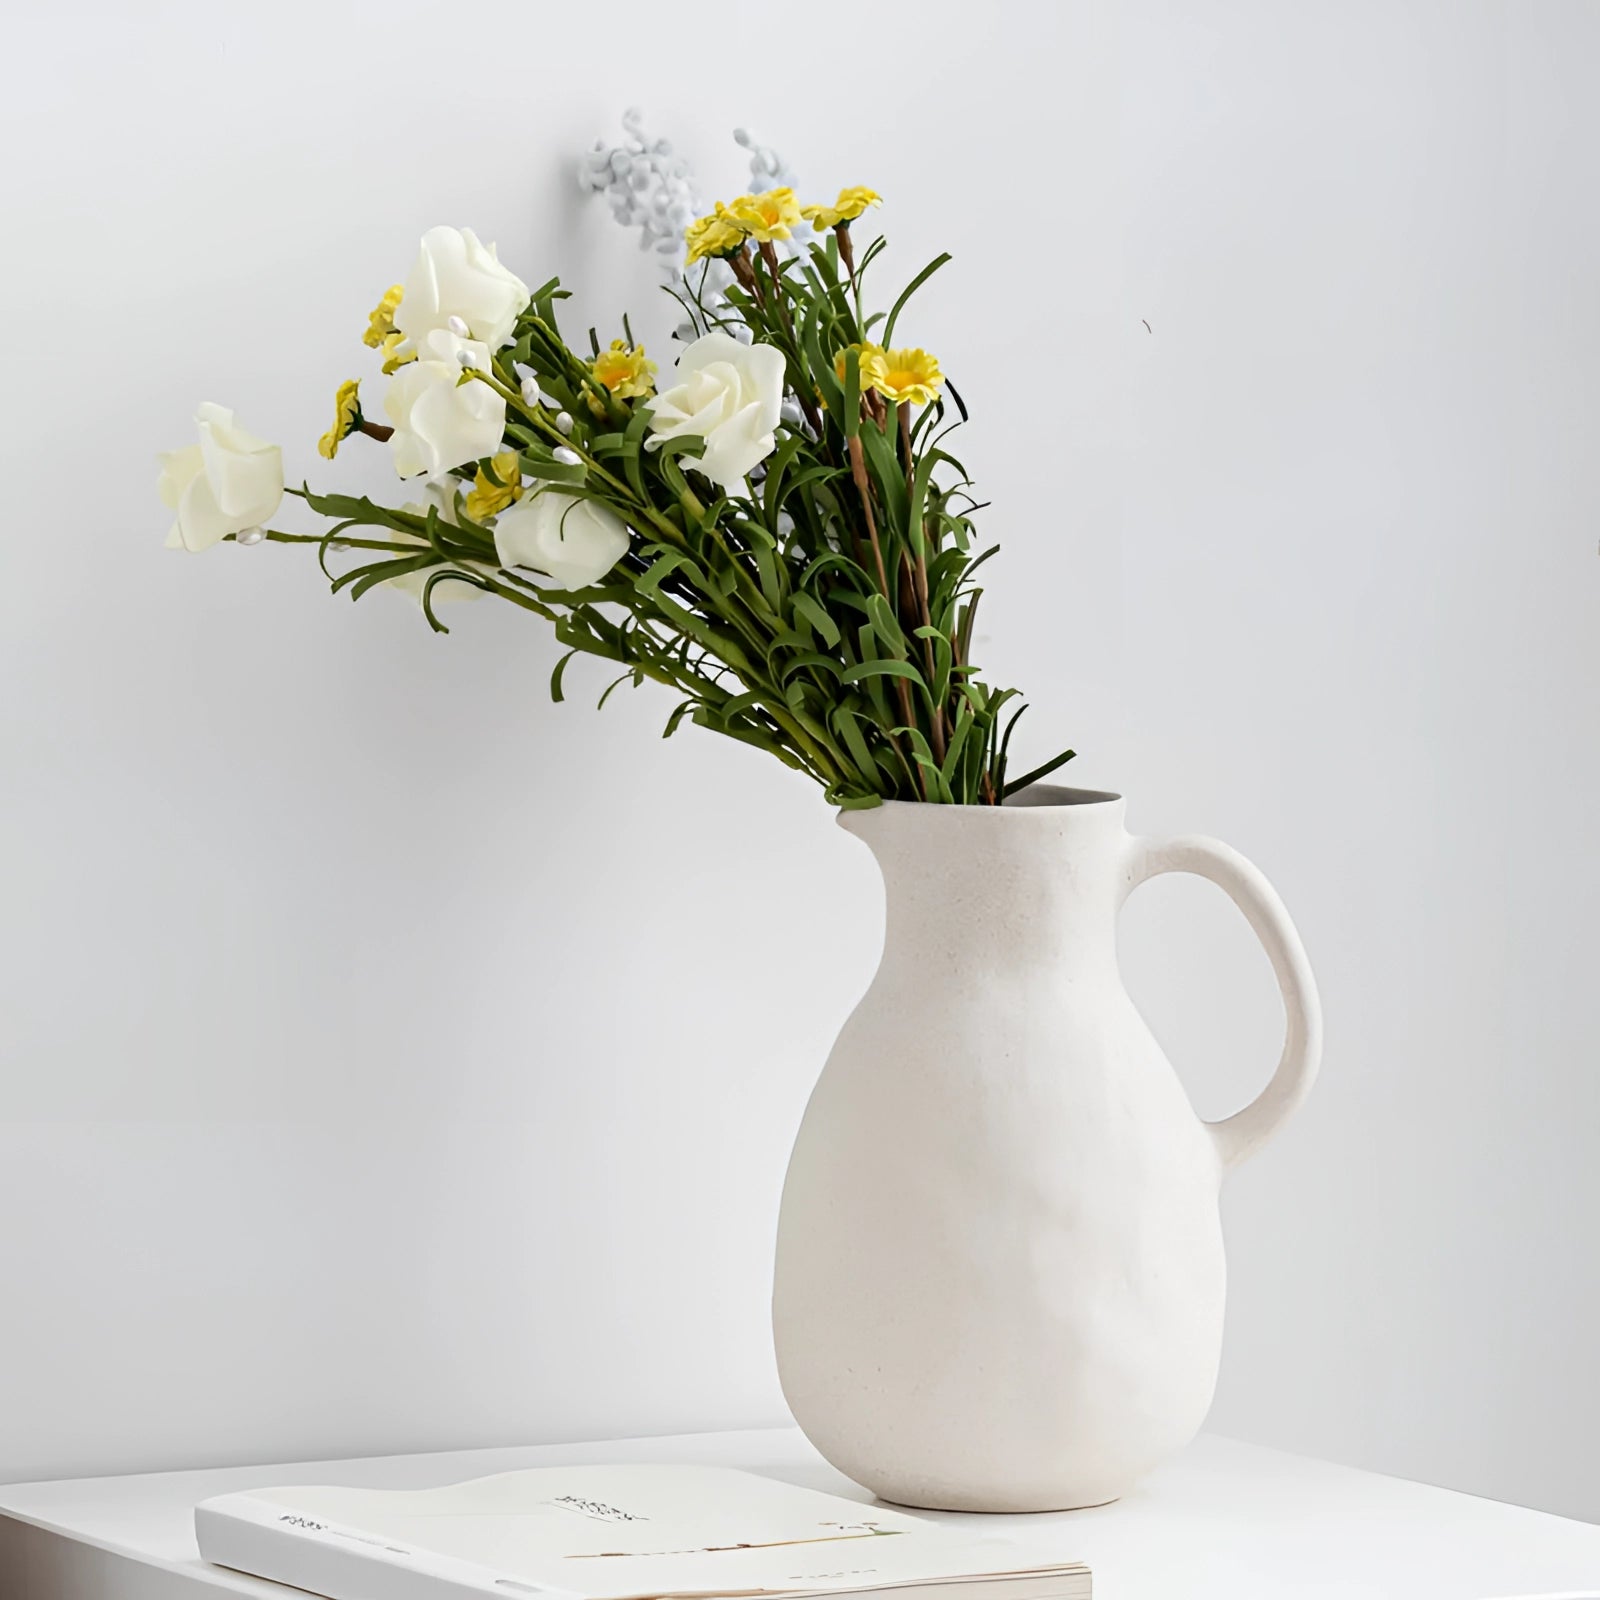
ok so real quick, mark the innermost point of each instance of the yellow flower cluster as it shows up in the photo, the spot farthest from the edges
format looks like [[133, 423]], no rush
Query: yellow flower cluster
[[870, 360], [850, 204], [380, 325], [909, 376], [718, 234], [382, 334], [624, 370], [906, 376], [768, 216], [346, 418], [773, 215], [497, 485]]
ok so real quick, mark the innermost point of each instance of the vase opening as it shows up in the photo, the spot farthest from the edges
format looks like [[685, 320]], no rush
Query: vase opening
[[1056, 794]]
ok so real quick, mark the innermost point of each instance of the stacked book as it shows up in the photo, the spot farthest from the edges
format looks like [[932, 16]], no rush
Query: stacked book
[[614, 1533]]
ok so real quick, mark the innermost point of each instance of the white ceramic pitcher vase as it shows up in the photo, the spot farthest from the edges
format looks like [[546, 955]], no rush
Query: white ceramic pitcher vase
[[1000, 1276]]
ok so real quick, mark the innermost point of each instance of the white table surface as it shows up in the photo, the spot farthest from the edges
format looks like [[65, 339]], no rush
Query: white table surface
[[1223, 1521]]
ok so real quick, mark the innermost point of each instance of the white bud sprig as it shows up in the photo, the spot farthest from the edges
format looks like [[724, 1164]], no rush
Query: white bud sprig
[[651, 188]]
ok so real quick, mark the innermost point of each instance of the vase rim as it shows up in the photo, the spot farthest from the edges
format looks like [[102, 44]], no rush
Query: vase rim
[[1047, 798]]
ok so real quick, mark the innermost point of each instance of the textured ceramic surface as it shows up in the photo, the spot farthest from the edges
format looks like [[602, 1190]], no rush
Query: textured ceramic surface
[[1000, 1273]]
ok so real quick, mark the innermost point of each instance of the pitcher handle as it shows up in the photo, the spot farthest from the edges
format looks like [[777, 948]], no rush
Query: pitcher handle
[[1246, 1131]]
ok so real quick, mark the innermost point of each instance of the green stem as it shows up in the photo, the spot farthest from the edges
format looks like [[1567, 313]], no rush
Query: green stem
[[276, 537]]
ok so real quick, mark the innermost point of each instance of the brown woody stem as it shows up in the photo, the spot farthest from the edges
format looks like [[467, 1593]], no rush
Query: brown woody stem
[[739, 262], [847, 251]]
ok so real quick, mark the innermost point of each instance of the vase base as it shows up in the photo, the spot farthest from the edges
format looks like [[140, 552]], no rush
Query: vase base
[[984, 1507]]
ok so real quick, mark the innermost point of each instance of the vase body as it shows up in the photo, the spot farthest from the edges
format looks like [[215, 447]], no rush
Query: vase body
[[1000, 1279]]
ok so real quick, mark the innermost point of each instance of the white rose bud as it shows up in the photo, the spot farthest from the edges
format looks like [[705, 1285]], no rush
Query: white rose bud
[[227, 483], [439, 421], [575, 541], [458, 278], [731, 396]]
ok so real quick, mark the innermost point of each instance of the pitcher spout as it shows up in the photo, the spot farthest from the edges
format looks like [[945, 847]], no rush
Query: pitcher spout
[[1037, 880]]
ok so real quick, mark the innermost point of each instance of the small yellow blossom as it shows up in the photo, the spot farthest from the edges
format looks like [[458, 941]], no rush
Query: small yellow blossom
[[381, 323], [393, 357], [871, 361], [346, 419], [766, 216], [624, 370], [487, 498], [850, 204], [713, 235], [908, 376]]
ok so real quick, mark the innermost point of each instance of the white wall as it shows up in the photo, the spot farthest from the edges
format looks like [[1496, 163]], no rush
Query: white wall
[[395, 1060]]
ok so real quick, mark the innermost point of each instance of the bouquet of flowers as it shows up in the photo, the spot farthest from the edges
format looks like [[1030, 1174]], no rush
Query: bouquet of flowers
[[777, 532]]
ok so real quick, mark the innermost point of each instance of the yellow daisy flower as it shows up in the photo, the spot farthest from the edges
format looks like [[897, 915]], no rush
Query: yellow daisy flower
[[487, 498], [850, 204], [393, 360], [871, 360], [908, 375], [713, 235], [766, 216], [624, 370], [381, 323], [346, 419]]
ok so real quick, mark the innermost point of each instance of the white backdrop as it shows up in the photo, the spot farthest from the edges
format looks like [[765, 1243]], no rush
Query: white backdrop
[[395, 1060]]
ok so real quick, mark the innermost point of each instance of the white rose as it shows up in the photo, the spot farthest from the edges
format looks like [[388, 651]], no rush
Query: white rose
[[575, 541], [729, 394], [228, 482], [456, 276], [440, 422]]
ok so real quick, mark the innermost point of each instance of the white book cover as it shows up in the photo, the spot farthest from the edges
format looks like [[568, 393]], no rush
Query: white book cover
[[611, 1533]]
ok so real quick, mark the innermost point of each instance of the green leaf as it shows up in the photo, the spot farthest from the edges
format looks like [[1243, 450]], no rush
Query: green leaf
[[884, 462], [556, 693], [819, 365], [723, 579], [833, 559], [923, 756], [378, 571], [777, 466], [941, 663], [906, 293], [952, 753], [816, 614], [882, 669], [848, 726], [446, 575], [769, 571], [1038, 773], [739, 704], [919, 496], [633, 449], [886, 623], [791, 639], [811, 658], [1005, 748], [679, 712], [649, 581], [546, 467], [852, 392]]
